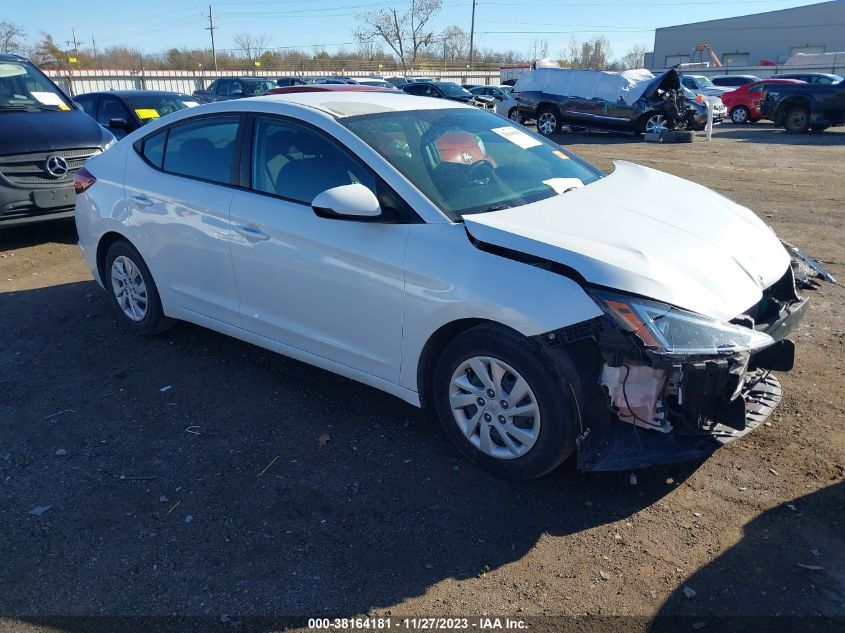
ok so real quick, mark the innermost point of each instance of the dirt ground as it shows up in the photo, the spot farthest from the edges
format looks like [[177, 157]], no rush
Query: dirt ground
[[210, 483]]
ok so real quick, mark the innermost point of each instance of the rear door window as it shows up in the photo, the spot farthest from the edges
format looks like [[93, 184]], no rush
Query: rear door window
[[202, 148]]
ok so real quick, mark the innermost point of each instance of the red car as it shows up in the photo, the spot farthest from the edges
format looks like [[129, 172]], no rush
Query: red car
[[743, 104]]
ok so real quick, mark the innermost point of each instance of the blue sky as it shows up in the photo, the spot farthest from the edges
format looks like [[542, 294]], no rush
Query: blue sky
[[156, 25]]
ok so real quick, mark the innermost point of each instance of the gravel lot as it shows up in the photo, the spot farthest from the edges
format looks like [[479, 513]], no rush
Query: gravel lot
[[197, 476]]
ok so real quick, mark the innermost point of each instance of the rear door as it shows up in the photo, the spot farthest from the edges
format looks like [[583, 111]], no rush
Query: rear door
[[178, 190], [333, 288]]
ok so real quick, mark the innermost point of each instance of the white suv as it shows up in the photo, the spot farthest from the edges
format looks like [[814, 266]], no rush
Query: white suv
[[448, 257]]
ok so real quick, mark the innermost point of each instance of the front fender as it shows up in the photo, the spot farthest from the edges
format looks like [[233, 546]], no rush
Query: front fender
[[448, 279]]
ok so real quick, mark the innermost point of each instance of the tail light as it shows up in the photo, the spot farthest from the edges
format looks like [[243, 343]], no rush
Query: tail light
[[83, 180]]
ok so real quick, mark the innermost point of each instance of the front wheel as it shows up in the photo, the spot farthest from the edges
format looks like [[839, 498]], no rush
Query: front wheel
[[548, 122], [655, 123], [797, 120], [132, 290], [516, 116], [740, 115], [505, 406]]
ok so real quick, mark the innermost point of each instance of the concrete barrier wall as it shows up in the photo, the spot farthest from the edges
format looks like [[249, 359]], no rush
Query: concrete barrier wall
[[81, 81]]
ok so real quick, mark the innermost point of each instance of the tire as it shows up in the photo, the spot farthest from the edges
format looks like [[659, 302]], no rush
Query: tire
[[797, 120], [540, 442], [818, 129], [516, 116], [653, 122], [740, 115], [132, 291], [548, 120]]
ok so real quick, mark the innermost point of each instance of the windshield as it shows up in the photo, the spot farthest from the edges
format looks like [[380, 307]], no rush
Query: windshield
[[471, 161], [704, 82], [149, 107], [453, 90], [257, 87], [23, 86]]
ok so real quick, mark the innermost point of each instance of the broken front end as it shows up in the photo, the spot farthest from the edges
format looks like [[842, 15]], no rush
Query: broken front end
[[672, 385]]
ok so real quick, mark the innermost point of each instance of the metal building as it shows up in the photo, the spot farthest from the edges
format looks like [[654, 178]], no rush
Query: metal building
[[754, 40]]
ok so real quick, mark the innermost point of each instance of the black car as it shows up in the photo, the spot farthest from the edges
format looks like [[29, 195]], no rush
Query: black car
[[810, 78], [124, 111], [227, 88], [733, 81], [803, 107], [660, 106], [446, 90], [283, 82], [44, 139]]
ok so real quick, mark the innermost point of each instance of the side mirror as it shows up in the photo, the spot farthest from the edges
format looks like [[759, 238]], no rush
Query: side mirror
[[347, 202], [118, 124]]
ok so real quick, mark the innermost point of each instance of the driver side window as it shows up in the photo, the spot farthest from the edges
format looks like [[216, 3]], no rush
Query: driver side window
[[294, 162]]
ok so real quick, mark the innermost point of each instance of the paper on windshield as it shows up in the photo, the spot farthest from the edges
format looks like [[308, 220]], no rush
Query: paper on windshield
[[49, 98], [517, 137], [146, 113], [190, 104]]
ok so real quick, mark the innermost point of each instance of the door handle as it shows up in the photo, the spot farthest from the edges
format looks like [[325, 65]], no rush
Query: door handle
[[252, 233], [141, 200]]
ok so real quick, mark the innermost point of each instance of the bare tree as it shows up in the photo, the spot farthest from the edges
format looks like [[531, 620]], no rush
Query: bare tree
[[634, 58], [456, 43], [591, 55], [11, 37], [540, 49], [251, 46], [406, 33]]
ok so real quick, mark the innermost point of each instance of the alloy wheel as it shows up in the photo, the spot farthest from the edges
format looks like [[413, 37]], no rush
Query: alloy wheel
[[739, 115], [129, 288], [494, 407], [547, 123], [656, 124]]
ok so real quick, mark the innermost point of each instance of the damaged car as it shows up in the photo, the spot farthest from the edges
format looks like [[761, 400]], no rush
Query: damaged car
[[449, 257], [631, 101]]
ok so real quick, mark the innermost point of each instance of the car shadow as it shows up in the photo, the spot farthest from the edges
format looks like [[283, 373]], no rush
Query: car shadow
[[193, 475], [768, 134], [787, 573], [20, 236]]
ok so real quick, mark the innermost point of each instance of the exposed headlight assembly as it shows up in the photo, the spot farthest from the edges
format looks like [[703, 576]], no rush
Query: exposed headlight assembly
[[665, 329]]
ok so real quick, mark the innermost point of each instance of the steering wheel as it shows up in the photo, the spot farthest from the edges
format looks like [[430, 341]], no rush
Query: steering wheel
[[481, 173]]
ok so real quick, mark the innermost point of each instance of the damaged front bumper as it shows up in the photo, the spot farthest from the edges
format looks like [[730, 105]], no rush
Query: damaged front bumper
[[652, 408]]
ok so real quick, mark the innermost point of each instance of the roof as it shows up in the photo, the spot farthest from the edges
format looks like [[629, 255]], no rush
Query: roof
[[351, 103], [328, 88], [136, 93], [11, 57]]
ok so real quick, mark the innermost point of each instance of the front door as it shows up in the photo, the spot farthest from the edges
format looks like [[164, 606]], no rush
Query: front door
[[330, 287]]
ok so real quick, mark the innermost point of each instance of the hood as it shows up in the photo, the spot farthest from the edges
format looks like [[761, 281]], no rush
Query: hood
[[45, 130], [645, 232], [667, 80]]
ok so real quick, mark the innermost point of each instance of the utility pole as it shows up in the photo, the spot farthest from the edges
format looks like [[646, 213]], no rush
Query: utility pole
[[210, 28], [94, 48], [74, 41], [471, 35]]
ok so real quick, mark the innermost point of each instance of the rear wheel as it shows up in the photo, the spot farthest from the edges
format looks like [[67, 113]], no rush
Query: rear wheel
[[740, 115], [506, 407], [132, 290], [797, 120], [548, 122]]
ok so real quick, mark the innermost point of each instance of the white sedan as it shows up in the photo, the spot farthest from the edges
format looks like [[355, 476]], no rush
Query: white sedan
[[506, 105], [443, 255]]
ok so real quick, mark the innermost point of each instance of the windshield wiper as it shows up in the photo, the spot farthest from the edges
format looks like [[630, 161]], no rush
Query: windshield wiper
[[497, 207]]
